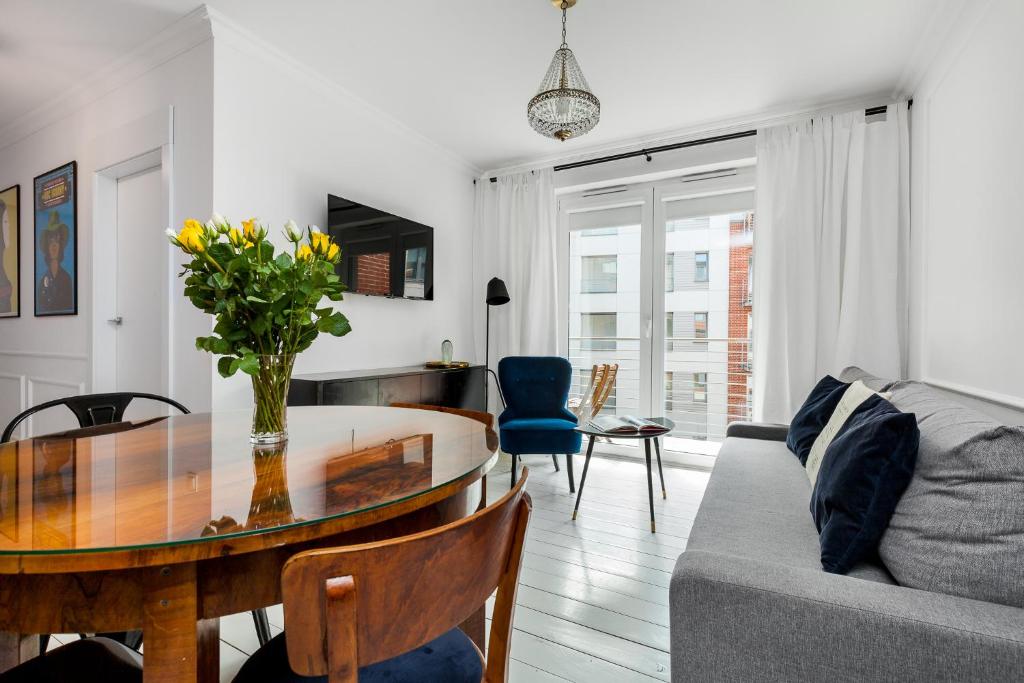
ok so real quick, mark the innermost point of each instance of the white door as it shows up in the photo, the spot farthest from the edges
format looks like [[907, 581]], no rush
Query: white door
[[140, 291], [658, 279]]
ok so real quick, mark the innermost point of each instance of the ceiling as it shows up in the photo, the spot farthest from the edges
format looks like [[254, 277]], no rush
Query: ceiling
[[460, 73]]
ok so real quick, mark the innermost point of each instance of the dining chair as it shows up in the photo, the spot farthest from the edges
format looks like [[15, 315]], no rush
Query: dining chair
[[104, 413], [536, 420], [390, 610], [91, 660]]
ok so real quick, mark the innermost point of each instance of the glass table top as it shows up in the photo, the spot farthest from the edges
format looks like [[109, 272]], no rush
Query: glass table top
[[185, 478]]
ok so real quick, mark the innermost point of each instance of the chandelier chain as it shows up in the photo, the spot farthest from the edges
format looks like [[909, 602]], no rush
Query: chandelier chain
[[565, 7]]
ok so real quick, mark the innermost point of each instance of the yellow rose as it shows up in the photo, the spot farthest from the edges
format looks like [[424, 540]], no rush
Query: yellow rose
[[192, 224], [250, 228], [320, 242], [305, 253], [236, 238], [332, 253], [192, 239]]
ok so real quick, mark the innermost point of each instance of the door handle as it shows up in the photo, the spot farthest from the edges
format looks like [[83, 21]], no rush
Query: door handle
[[115, 321]]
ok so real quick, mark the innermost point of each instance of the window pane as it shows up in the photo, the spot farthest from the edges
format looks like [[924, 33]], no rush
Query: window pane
[[700, 267], [700, 325], [598, 331], [600, 274], [670, 272]]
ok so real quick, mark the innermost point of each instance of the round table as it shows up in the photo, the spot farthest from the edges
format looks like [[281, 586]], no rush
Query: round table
[[167, 524], [593, 431]]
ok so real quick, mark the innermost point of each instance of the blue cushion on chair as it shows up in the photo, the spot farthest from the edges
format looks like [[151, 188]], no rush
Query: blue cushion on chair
[[450, 658], [533, 436]]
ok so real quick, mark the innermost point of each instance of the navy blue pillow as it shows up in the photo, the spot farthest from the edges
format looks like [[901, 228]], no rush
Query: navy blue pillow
[[813, 416], [863, 474]]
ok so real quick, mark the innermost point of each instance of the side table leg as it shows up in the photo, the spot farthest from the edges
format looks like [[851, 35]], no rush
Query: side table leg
[[661, 475], [650, 480], [583, 479]]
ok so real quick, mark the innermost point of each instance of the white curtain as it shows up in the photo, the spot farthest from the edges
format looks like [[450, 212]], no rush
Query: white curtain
[[831, 254], [514, 240]]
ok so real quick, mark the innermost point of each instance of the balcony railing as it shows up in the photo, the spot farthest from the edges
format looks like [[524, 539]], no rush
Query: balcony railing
[[705, 384]]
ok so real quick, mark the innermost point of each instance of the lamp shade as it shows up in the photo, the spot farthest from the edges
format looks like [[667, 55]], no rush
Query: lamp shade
[[497, 293]]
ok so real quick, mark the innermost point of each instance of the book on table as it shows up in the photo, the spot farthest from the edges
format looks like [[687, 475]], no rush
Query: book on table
[[624, 424]]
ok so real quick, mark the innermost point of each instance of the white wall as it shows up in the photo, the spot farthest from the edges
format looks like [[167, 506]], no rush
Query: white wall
[[284, 139], [45, 358], [968, 229]]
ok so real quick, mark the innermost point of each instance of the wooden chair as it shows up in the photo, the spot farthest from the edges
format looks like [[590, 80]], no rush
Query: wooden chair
[[480, 416], [593, 398], [389, 610]]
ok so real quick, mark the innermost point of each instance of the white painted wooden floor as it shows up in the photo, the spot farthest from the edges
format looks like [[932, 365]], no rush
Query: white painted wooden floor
[[593, 595]]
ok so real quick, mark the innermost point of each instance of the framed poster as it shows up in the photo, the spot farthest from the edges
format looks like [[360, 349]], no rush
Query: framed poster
[[10, 249], [55, 203]]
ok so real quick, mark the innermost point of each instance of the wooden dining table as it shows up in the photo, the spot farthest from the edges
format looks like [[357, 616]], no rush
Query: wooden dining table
[[169, 523]]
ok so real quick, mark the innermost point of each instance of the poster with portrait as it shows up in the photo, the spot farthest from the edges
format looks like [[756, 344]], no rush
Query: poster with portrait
[[55, 201], [10, 271]]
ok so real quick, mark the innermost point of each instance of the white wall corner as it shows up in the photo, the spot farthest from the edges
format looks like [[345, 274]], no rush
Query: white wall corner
[[186, 33], [228, 32], [938, 44]]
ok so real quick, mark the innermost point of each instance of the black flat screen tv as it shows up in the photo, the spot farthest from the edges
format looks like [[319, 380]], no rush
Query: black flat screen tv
[[381, 254]]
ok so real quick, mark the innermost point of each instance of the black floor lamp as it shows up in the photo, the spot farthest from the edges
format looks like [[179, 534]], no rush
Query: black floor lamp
[[497, 295]]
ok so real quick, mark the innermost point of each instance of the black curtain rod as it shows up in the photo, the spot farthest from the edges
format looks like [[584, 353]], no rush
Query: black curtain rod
[[870, 111]]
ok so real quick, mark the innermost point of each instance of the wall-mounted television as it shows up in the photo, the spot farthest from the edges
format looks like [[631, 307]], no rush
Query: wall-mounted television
[[381, 254]]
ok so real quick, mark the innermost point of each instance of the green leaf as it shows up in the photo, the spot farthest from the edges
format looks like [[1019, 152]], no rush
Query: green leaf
[[336, 325], [226, 366], [249, 364]]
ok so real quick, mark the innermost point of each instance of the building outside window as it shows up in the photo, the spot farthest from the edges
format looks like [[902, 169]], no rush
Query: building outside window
[[700, 267], [700, 387], [600, 274], [700, 325], [598, 331], [670, 272], [669, 396]]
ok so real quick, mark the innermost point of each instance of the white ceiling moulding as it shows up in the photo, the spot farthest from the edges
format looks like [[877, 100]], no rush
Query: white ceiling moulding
[[227, 32], [770, 117], [186, 33]]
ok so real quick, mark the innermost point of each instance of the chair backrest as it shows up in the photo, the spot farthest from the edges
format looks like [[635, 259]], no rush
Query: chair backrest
[[604, 388], [354, 606], [486, 419], [535, 386], [91, 409]]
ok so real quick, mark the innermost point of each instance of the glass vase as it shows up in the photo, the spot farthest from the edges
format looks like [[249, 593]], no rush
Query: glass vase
[[271, 503], [270, 393]]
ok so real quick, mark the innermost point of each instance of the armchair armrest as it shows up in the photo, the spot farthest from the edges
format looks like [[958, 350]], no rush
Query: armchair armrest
[[736, 618], [766, 431]]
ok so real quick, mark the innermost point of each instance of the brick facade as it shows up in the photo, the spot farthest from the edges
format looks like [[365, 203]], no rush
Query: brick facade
[[740, 305], [373, 274]]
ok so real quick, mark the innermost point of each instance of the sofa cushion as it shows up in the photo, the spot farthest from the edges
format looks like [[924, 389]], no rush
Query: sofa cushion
[[853, 373], [959, 528], [813, 416], [864, 472]]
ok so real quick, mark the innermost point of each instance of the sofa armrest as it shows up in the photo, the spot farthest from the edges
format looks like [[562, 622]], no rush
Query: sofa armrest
[[736, 619], [766, 431]]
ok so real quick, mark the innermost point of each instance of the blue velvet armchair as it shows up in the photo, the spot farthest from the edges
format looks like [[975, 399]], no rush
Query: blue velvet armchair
[[535, 420]]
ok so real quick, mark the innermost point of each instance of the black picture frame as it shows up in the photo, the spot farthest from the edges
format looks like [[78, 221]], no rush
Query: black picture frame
[[13, 219], [55, 214]]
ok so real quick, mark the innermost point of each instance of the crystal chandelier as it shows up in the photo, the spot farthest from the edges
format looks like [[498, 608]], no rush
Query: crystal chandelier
[[564, 107]]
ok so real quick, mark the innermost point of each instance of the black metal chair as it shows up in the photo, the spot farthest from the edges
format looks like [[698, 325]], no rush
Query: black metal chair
[[94, 410]]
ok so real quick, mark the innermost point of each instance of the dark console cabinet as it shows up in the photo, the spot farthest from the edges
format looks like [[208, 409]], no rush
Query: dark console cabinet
[[454, 388]]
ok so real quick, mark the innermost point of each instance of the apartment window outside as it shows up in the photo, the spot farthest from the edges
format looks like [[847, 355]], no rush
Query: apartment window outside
[[670, 328], [670, 404], [700, 325], [600, 274], [598, 331], [700, 266], [670, 272], [700, 387]]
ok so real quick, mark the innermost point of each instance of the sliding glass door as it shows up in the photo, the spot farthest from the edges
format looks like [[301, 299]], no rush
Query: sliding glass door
[[658, 279]]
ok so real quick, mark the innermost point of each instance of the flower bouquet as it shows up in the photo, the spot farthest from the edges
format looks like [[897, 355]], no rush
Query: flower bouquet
[[266, 304]]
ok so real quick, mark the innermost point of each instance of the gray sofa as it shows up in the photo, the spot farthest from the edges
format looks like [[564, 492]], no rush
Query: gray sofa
[[750, 602]]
